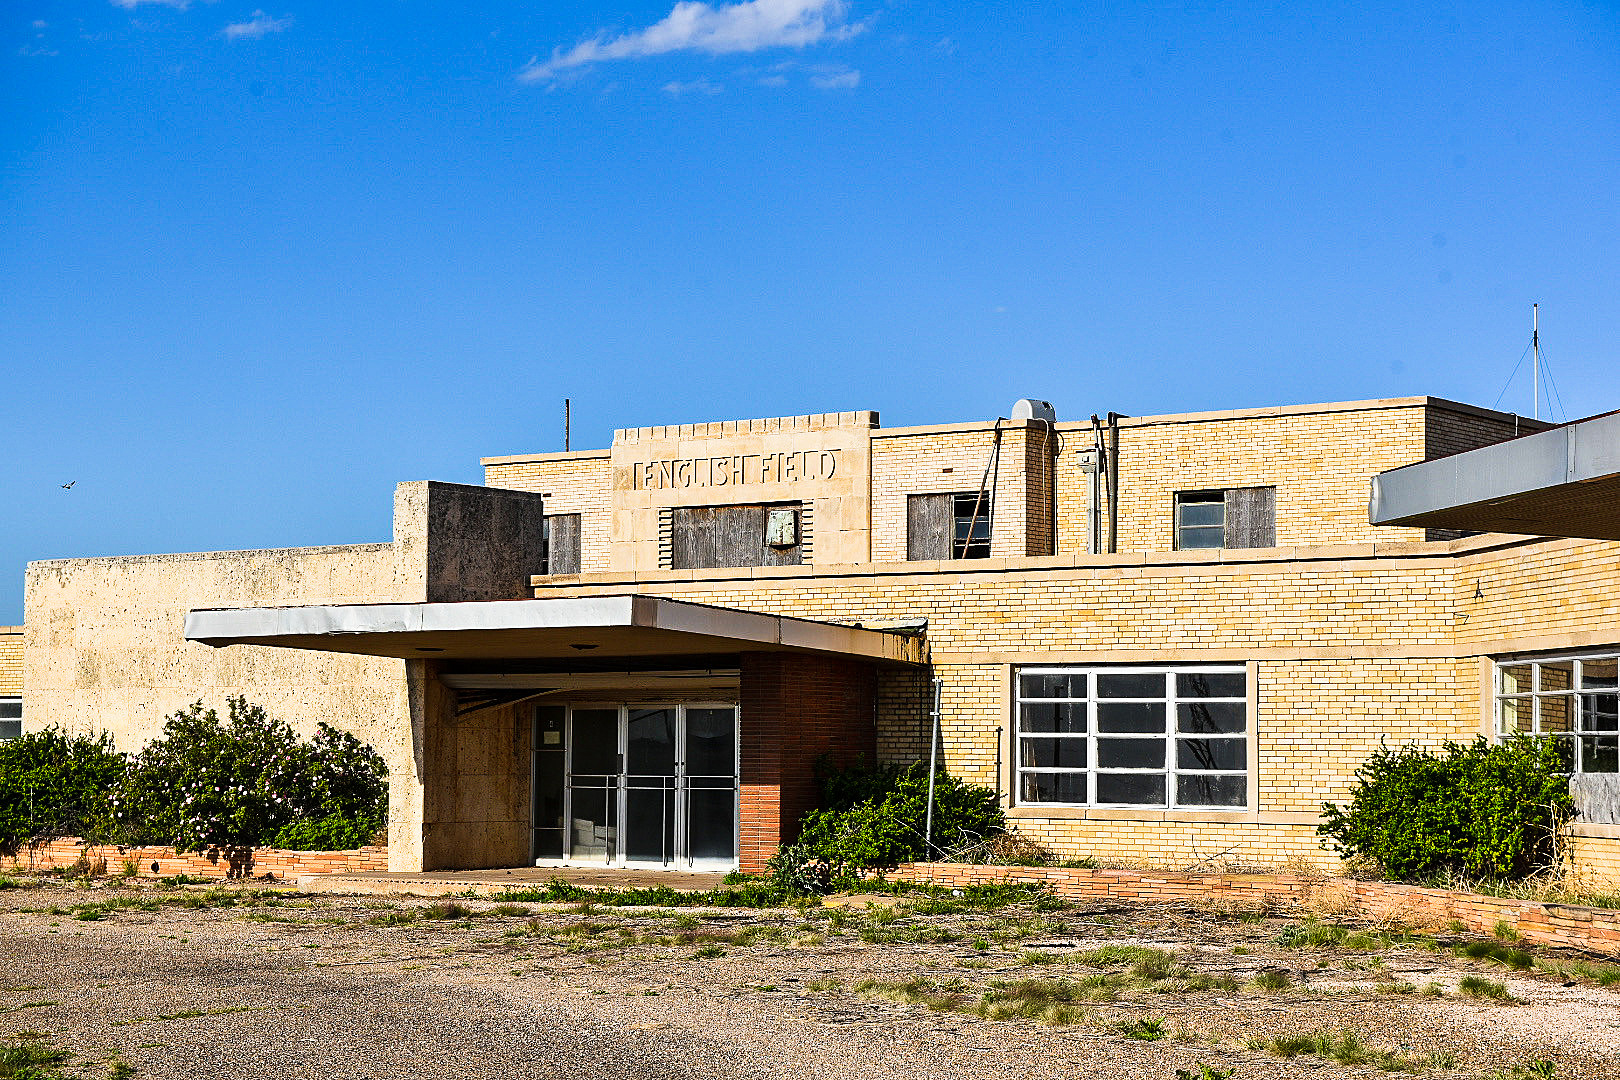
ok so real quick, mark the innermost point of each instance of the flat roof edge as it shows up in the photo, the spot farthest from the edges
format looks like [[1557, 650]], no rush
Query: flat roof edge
[[1579, 452], [281, 625]]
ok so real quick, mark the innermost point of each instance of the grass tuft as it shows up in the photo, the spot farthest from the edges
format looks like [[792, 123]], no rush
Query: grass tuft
[[1346, 1048], [1273, 980], [1475, 986], [30, 1061]]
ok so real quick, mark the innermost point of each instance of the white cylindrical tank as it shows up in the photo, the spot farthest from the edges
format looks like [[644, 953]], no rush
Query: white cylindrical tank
[[1033, 409]]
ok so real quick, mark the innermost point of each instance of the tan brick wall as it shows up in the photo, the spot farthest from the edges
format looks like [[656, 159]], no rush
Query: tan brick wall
[[1594, 861], [11, 660], [579, 485], [1319, 458], [1452, 430], [1350, 647], [1539, 594], [959, 459], [1320, 464]]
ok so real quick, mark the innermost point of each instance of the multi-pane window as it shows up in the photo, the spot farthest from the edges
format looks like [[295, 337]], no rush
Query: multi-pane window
[[10, 718], [1574, 700], [1200, 519], [1158, 737], [971, 536]]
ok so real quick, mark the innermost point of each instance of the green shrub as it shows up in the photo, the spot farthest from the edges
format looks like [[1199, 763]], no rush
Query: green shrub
[[1481, 810], [875, 818], [247, 781], [54, 785]]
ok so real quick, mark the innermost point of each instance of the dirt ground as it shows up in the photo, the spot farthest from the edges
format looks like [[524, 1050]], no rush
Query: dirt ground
[[238, 982]]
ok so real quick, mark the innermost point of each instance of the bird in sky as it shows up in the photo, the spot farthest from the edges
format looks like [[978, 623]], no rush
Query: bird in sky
[[68, 486]]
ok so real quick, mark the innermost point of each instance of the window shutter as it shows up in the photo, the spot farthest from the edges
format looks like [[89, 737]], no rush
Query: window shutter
[[1251, 517], [562, 547], [930, 526]]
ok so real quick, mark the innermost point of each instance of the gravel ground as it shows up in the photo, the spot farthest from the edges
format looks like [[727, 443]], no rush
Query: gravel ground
[[288, 986]]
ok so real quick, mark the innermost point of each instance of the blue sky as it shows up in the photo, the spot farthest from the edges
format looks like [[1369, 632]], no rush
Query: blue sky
[[257, 263]]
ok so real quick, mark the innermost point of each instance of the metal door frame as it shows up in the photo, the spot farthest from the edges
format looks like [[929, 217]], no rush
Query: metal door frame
[[681, 833]]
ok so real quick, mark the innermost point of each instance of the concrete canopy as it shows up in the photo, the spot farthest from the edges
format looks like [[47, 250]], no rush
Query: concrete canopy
[[597, 626], [1561, 482]]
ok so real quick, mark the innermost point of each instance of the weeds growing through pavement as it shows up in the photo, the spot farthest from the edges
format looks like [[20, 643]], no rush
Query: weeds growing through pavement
[[1476, 987], [1346, 1048], [1508, 957], [1148, 1029], [31, 1061], [1273, 980]]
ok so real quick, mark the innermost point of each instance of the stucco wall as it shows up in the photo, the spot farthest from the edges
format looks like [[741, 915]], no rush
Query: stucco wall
[[105, 646]]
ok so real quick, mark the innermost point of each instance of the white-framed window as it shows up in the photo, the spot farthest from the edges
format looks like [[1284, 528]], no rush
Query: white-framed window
[[1162, 737], [10, 718], [1572, 699]]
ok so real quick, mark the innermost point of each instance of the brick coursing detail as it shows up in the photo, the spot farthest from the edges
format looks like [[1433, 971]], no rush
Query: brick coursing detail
[[795, 709], [1567, 925], [213, 863]]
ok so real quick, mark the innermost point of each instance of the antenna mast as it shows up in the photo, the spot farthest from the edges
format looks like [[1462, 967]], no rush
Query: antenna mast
[[568, 423], [1535, 345]]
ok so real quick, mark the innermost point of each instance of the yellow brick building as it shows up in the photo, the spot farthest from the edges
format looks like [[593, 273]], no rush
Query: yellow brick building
[[1165, 639], [11, 656]]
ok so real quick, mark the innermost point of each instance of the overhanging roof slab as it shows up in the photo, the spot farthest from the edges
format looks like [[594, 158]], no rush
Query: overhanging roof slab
[[597, 626], [1561, 482]]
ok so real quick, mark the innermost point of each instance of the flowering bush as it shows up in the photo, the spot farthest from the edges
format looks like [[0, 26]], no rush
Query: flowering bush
[[249, 780]]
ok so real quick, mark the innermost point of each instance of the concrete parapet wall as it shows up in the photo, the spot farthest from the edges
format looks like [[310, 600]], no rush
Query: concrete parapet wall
[[213, 863], [1566, 925]]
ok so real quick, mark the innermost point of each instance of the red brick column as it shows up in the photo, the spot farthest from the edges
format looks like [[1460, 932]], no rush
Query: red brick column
[[795, 708]]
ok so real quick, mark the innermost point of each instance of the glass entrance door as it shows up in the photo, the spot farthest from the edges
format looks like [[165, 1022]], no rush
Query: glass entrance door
[[651, 775], [708, 786], [636, 785]]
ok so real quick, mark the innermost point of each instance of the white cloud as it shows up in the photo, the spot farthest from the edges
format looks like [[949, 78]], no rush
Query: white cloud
[[696, 86], [40, 24], [256, 26], [692, 25], [131, 5], [836, 79]]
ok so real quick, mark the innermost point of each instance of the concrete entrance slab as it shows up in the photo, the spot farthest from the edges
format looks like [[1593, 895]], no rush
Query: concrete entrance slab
[[499, 882]]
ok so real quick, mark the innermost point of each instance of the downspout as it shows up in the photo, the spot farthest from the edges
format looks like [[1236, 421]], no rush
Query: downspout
[[933, 769], [1097, 477], [1113, 483]]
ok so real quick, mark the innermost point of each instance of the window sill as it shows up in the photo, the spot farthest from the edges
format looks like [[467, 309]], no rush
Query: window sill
[[1594, 830], [1120, 813]]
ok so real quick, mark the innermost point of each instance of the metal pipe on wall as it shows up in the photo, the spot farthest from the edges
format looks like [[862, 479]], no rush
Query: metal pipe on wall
[[1113, 482]]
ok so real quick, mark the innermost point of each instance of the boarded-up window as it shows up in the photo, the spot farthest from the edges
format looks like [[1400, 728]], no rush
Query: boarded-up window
[[710, 536], [1251, 517], [561, 554], [1226, 518], [950, 525]]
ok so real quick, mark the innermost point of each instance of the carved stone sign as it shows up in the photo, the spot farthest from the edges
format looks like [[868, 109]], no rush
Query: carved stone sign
[[734, 470], [821, 463]]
